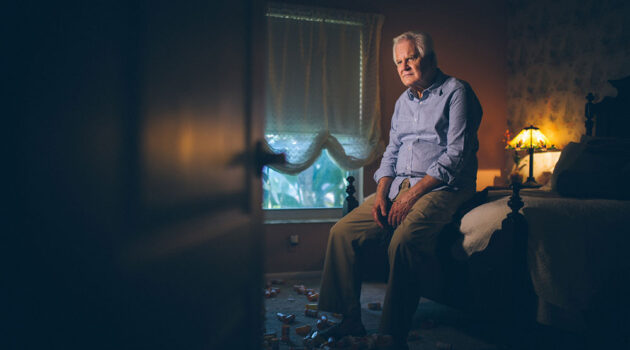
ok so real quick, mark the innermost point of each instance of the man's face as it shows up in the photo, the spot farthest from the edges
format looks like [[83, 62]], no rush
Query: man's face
[[413, 70]]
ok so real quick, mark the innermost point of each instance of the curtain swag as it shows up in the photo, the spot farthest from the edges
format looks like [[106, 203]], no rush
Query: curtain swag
[[322, 86]]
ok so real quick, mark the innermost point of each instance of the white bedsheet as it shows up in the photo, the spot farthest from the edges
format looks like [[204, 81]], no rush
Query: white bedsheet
[[576, 246]]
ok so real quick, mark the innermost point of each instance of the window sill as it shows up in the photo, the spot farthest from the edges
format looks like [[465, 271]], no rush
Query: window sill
[[298, 216], [300, 221]]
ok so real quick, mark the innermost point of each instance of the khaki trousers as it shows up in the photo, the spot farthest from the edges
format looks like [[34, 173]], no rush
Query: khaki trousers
[[409, 244]]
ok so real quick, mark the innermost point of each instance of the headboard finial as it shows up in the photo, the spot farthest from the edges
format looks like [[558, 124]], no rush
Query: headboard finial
[[588, 113], [350, 202]]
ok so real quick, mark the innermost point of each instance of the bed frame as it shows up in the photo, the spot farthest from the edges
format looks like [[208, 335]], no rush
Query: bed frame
[[495, 283], [612, 113]]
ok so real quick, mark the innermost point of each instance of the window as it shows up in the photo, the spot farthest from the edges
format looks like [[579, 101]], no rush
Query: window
[[322, 108], [320, 186], [315, 194]]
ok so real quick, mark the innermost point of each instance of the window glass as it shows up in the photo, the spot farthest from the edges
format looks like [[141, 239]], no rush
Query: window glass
[[322, 185]]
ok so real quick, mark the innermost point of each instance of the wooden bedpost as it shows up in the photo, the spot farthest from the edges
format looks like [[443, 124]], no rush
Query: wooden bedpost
[[588, 113], [523, 297], [515, 203], [350, 202]]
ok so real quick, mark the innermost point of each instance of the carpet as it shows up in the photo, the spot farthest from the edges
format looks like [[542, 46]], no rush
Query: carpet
[[436, 326]]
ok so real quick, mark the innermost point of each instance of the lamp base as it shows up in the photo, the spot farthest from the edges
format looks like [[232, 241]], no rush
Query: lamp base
[[531, 183]]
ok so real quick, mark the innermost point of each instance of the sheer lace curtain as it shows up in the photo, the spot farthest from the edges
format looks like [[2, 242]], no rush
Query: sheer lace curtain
[[322, 86]]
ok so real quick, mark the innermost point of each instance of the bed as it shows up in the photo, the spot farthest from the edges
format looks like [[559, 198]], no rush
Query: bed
[[553, 256]]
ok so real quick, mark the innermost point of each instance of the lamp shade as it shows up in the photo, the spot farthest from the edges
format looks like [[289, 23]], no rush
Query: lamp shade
[[529, 138]]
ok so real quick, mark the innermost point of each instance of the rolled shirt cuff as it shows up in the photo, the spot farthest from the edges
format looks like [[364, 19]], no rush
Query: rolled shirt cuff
[[441, 174], [380, 173]]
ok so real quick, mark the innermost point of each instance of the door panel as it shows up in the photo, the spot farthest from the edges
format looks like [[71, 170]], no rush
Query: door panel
[[194, 99], [135, 217], [194, 270], [197, 283]]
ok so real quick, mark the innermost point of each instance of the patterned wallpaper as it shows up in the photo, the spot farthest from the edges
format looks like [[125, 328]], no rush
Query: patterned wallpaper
[[558, 51]]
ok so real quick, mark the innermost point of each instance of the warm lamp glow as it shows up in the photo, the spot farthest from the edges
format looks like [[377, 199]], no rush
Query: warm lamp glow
[[530, 138]]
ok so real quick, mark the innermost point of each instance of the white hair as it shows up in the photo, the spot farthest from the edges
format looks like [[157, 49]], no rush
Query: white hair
[[422, 41]]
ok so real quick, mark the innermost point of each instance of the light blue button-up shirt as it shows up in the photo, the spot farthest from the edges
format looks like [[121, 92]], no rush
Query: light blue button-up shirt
[[435, 135]]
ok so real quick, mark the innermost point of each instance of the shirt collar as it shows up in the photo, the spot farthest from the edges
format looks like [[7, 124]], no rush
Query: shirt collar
[[437, 82]]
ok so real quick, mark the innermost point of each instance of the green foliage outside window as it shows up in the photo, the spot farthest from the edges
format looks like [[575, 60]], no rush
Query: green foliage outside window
[[322, 185]]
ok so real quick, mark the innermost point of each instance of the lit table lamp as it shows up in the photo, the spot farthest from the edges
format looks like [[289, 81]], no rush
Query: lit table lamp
[[530, 139]]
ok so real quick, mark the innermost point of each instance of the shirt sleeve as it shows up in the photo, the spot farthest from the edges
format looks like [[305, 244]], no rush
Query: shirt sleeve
[[390, 156], [461, 140]]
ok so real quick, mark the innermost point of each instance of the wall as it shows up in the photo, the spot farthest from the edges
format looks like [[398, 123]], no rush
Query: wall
[[308, 255], [557, 52], [470, 44]]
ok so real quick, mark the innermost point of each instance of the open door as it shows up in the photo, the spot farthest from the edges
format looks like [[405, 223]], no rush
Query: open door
[[196, 268], [137, 208]]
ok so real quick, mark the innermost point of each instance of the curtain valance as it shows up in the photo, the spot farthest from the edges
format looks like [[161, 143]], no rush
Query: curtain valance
[[322, 86]]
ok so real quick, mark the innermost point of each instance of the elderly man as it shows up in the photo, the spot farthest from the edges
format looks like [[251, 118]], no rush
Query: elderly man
[[428, 170]]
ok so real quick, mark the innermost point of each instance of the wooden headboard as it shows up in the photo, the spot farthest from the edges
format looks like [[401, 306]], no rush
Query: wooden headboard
[[612, 114]]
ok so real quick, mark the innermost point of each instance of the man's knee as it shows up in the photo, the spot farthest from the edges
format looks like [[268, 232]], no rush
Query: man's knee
[[336, 231], [340, 232], [415, 242], [400, 242]]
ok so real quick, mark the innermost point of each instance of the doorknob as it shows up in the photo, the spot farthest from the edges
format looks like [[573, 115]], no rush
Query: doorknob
[[264, 156]]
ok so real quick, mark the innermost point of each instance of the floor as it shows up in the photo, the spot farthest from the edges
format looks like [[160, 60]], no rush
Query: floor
[[435, 326]]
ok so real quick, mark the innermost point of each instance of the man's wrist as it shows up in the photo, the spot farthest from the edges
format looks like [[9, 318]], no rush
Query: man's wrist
[[423, 187], [416, 193], [384, 184]]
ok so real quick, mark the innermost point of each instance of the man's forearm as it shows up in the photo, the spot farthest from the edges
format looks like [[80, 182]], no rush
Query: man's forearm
[[424, 186], [384, 183]]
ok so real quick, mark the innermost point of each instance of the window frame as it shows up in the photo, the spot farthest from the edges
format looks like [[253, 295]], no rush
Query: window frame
[[312, 215]]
